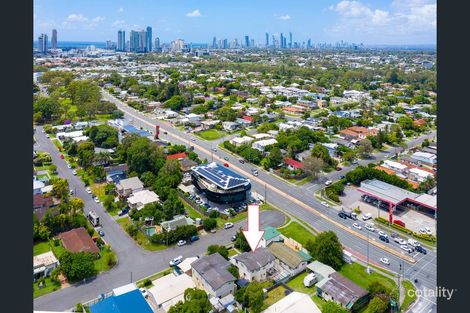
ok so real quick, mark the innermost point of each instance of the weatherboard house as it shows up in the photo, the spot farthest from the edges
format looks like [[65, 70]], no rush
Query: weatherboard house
[[220, 184]]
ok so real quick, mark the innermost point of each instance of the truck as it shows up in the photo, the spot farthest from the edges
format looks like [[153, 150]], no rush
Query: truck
[[366, 216], [347, 213], [93, 218]]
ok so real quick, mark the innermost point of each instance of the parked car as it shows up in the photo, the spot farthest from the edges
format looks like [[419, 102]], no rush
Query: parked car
[[192, 139], [354, 162], [62, 156], [176, 260], [181, 243], [384, 239], [401, 241], [69, 166], [254, 171], [228, 225], [370, 227], [214, 149], [88, 190], [74, 172], [123, 212], [325, 204], [71, 191], [357, 226], [385, 261], [226, 158], [421, 249], [234, 237], [101, 233], [144, 292], [194, 238], [328, 182], [406, 248], [393, 235], [96, 200], [366, 216], [339, 168], [381, 233], [241, 161], [413, 243], [226, 165]]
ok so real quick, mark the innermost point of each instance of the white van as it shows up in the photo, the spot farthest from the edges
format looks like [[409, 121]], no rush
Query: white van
[[366, 216], [310, 279]]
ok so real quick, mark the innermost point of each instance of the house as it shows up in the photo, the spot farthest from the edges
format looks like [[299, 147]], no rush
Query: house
[[254, 266], [185, 266], [187, 164], [262, 144], [293, 164], [271, 234], [424, 157], [141, 198], [37, 187], [287, 259], [358, 132], [210, 274], [322, 271], [341, 290], [78, 240], [176, 156], [303, 155], [43, 264], [178, 220], [42, 202], [419, 175], [169, 289], [331, 148], [208, 124], [295, 302], [229, 126], [395, 166], [129, 302], [239, 141], [127, 187], [261, 136], [243, 122]]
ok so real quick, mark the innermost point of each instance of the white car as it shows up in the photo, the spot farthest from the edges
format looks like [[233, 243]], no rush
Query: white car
[[176, 260], [401, 241], [370, 227], [406, 248], [325, 204], [68, 165], [413, 242], [385, 261], [96, 200], [181, 243], [74, 172], [144, 292], [328, 182], [381, 233], [71, 191], [88, 190], [228, 225], [192, 139], [422, 231], [214, 149], [366, 216], [428, 230], [357, 226]]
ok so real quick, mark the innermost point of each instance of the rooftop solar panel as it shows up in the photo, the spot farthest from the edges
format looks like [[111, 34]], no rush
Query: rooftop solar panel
[[220, 176]]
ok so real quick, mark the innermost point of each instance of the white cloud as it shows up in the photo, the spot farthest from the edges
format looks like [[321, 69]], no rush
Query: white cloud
[[76, 18], [284, 17], [119, 24], [403, 18], [98, 19], [120, 10], [194, 13]]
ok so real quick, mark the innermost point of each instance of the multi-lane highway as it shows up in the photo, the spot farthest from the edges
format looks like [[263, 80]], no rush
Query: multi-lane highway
[[301, 203], [133, 261]]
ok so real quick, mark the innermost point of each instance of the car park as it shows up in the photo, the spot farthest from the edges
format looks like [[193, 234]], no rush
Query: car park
[[369, 227], [228, 225], [181, 243], [385, 261], [176, 260], [357, 226]]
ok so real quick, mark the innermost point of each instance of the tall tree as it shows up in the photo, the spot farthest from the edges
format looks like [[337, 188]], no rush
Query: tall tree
[[327, 249], [312, 166]]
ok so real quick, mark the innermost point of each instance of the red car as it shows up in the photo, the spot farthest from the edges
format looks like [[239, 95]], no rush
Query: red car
[[402, 224], [226, 165], [62, 156]]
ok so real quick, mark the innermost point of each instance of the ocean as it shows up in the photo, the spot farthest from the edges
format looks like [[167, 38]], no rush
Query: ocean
[[66, 45]]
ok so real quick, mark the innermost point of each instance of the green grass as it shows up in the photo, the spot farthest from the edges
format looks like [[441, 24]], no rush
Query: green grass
[[41, 247], [57, 143], [50, 287], [408, 299], [191, 211], [141, 238], [98, 190], [297, 232], [357, 274], [57, 250], [211, 134], [165, 272], [318, 301], [101, 264], [298, 284], [274, 296], [232, 252]]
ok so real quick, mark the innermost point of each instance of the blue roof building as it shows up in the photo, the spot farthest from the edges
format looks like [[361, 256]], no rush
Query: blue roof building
[[133, 130], [129, 302]]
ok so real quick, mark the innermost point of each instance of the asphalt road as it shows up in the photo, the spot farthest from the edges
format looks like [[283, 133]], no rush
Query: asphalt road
[[133, 261], [280, 193]]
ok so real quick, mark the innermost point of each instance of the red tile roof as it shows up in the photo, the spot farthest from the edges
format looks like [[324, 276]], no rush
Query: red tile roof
[[41, 201], [176, 156], [78, 240], [294, 163], [247, 118]]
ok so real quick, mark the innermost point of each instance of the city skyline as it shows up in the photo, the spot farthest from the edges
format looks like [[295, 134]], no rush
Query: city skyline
[[381, 22]]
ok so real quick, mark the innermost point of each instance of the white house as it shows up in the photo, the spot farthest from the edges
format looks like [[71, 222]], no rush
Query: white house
[[239, 141], [139, 199], [229, 126], [262, 144], [254, 266], [396, 166], [169, 289], [424, 157], [43, 264], [419, 175], [271, 234]]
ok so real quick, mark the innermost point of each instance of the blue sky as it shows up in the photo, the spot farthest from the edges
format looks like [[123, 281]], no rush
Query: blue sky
[[370, 22]]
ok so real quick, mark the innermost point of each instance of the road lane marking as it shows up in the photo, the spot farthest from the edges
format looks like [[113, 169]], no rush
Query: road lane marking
[[279, 192]]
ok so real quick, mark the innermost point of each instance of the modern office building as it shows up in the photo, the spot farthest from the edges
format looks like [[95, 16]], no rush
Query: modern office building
[[220, 184], [42, 43], [252, 43], [267, 40], [290, 40], [214, 43], [281, 41], [148, 37], [121, 43], [157, 43], [247, 41], [54, 39]]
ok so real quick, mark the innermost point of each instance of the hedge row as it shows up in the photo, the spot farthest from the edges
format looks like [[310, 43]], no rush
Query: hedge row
[[430, 238]]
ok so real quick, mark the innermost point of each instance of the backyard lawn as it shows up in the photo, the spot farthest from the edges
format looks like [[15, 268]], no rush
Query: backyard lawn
[[274, 296], [41, 247], [50, 286], [232, 252], [298, 284], [297, 232], [98, 190], [357, 273], [141, 238], [211, 134]]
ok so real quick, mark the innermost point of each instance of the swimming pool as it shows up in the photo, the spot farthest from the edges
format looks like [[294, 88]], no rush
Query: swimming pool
[[150, 231]]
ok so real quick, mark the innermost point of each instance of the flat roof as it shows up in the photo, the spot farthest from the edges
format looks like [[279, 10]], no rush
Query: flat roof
[[220, 175], [169, 287], [295, 302]]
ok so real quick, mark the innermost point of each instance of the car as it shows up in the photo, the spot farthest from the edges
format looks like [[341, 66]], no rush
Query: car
[[176, 260], [181, 243], [339, 168], [123, 212], [357, 226], [69, 166], [393, 235], [241, 161], [341, 177], [165, 133], [384, 238], [214, 149], [193, 139], [228, 225], [428, 230], [74, 172], [96, 200], [325, 204], [422, 231], [194, 238], [234, 237], [255, 173], [226, 158], [366, 216], [381, 233], [144, 292], [421, 249], [62, 156], [369, 227], [101, 233], [213, 231], [406, 248], [385, 261], [328, 182], [226, 164], [413, 243], [47, 136], [71, 191], [88, 190], [401, 241], [226, 212]]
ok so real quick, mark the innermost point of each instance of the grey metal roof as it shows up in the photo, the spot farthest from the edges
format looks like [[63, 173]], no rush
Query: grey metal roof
[[255, 260], [385, 191], [343, 290], [213, 269]]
